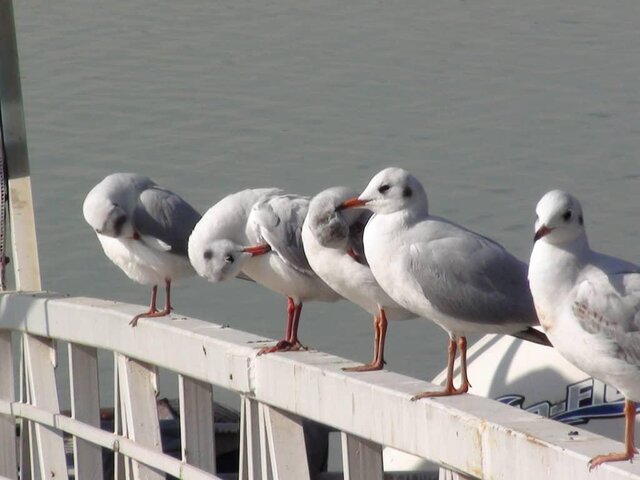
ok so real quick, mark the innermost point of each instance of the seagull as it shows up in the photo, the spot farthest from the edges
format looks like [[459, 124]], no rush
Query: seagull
[[464, 282], [143, 228], [333, 243], [588, 305], [257, 233]]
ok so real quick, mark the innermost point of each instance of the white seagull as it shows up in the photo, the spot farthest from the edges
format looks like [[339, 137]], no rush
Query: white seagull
[[143, 229], [588, 304], [464, 282], [333, 244], [257, 233]]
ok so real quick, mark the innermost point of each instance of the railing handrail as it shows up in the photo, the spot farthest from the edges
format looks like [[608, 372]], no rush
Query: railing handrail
[[473, 435]]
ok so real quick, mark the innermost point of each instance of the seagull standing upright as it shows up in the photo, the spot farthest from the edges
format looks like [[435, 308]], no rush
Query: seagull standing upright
[[588, 304], [464, 282]]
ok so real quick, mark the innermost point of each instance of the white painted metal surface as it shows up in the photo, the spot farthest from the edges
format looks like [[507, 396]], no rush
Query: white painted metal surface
[[285, 438], [196, 423], [140, 413], [476, 436], [361, 459], [85, 407], [43, 393], [8, 458]]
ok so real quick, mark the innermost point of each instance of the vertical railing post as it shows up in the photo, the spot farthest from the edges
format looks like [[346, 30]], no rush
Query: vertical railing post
[[287, 449], [361, 459], [266, 468], [249, 464], [24, 445], [196, 423], [44, 394], [137, 383], [85, 406], [13, 143], [14, 139], [8, 454]]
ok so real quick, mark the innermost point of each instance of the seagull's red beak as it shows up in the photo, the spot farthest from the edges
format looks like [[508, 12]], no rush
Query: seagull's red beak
[[542, 231], [257, 250], [351, 203]]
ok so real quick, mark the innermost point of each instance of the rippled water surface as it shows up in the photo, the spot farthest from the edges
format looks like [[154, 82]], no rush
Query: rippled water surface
[[490, 102]]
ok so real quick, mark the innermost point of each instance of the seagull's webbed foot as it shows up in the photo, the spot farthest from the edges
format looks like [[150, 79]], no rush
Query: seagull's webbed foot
[[447, 392], [283, 346], [152, 313], [367, 367], [611, 457]]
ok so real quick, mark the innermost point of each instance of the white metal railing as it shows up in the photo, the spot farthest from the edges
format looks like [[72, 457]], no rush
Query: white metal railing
[[472, 435]]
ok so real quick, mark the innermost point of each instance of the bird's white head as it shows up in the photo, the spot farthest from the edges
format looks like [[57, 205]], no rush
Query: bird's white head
[[110, 205], [221, 259], [559, 218], [329, 225], [106, 217], [391, 190]]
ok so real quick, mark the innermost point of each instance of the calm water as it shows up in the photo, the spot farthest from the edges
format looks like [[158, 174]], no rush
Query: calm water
[[491, 103]]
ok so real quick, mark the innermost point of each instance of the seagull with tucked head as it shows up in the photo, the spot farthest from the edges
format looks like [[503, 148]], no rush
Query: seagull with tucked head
[[333, 243], [144, 229]]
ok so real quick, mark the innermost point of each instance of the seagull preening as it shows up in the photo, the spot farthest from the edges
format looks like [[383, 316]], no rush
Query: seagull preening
[[333, 244], [588, 304], [464, 282], [143, 229], [257, 233]]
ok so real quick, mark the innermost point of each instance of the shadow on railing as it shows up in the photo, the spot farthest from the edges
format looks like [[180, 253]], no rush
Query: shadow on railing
[[474, 436]]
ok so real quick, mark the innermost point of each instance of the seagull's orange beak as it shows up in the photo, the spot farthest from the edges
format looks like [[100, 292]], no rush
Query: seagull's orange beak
[[257, 250], [351, 203], [542, 231]]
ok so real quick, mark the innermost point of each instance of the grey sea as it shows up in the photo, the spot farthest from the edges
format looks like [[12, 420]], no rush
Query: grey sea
[[491, 103]]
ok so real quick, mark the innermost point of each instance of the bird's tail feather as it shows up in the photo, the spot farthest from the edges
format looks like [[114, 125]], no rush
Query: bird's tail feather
[[530, 334]]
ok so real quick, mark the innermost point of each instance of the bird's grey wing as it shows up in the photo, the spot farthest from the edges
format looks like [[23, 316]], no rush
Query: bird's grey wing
[[278, 221], [473, 278], [164, 220], [609, 305]]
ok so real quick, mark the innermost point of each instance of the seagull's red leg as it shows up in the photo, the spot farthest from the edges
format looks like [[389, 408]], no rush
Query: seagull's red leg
[[629, 441], [153, 311], [167, 289], [449, 388], [379, 335], [291, 307], [462, 346], [152, 307], [293, 339], [285, 344]]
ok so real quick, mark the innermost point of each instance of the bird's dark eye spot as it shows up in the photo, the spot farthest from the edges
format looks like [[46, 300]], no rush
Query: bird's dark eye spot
[[118, 223], [566, 216], [208, 254], [383, 188], [407, 192], [581, 220], [229, 259]]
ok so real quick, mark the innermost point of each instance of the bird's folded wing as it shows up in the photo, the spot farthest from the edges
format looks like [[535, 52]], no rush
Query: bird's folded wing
[[278, 220], [472, 278], [164, 220], [609, 305]]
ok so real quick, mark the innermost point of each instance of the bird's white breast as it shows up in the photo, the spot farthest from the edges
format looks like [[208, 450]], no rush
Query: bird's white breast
[[143, 264], [385, 245]]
